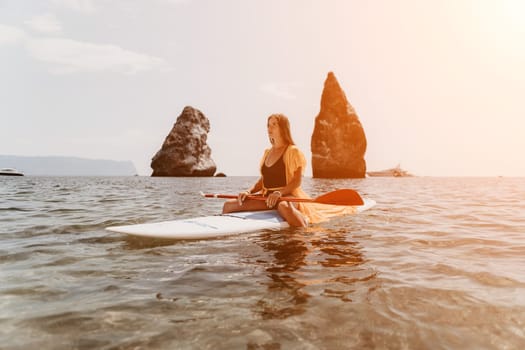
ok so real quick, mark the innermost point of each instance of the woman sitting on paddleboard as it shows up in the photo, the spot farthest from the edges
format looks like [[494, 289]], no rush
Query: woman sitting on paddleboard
[[282, 168]]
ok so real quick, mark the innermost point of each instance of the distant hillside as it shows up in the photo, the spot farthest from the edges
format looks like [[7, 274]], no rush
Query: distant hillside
[[67, 166]]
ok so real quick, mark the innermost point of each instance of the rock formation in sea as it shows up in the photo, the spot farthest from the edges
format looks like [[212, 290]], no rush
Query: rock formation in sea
[[338, 141], [185, 151]]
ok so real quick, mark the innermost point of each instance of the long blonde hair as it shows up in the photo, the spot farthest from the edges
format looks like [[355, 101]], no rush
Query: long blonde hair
[[284, 127]]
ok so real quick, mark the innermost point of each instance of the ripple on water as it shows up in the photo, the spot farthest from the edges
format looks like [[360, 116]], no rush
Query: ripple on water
[[436, 264]]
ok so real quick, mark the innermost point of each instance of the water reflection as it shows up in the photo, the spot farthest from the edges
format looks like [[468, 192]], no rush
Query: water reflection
[[139, 243], [340, 250], [343, 263], [308, 263], [286, 295]]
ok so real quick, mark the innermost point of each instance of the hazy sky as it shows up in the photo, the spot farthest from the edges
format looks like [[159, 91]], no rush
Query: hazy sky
[[439, 85]]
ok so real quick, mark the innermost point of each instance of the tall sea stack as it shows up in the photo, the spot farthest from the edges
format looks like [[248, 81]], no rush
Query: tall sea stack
[[185, 151], [338, 140]]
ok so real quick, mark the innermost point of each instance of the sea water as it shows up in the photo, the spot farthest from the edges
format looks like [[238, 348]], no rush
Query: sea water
[[438, 263]]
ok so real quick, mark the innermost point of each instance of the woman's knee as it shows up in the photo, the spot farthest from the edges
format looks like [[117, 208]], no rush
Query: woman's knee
[[291, 214], [229, 206], [283, 207]]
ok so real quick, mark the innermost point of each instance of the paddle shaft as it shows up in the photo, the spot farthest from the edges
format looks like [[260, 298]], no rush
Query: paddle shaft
[[338, 197], [258, 198]]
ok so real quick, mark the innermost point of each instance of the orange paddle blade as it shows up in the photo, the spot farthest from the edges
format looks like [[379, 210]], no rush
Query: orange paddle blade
[[340, 197]]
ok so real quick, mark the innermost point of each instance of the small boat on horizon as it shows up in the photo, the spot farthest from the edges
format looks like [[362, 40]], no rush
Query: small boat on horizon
[[393, 172], [10, 172]]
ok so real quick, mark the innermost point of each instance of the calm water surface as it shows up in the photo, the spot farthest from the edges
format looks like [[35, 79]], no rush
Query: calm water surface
[[439, 263]]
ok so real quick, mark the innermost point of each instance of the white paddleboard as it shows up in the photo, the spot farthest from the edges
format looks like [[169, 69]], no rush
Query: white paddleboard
[[214, 226]]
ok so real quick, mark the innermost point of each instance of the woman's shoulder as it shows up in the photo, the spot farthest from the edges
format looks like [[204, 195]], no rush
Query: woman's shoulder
[[294, 149], [294, 153]]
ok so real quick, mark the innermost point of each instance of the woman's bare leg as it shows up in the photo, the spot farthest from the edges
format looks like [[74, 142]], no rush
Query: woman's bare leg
[[287, 210], [291, 214], [232, 206]]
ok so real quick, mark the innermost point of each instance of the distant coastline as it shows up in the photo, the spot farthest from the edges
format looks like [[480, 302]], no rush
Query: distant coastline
[[67, 166]]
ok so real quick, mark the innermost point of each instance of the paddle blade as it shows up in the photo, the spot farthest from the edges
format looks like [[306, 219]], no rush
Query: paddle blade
[[341, 197]]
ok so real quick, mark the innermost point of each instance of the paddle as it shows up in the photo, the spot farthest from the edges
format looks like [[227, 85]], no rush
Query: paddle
[[339, 197]]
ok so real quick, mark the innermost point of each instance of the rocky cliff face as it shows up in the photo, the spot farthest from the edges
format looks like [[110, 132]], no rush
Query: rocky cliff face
[[338, 142], [185, 151]]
